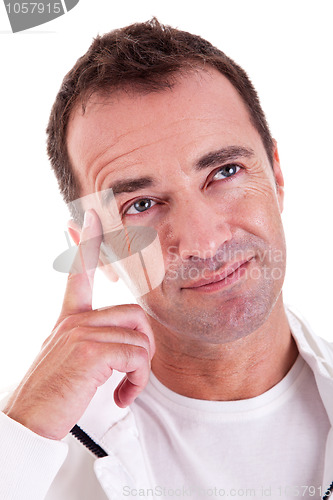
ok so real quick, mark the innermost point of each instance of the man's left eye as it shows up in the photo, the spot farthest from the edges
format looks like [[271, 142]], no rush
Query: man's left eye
[[226, 171]]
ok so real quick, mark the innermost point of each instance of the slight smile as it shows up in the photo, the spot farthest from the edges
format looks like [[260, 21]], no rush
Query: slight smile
[[229, 276]]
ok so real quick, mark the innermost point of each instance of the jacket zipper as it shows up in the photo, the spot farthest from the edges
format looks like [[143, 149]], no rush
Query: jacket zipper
[[88, 442]]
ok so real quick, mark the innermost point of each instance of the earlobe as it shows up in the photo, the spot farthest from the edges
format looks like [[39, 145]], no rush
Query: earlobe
[[279, 181], [281, 198], [74, 230]]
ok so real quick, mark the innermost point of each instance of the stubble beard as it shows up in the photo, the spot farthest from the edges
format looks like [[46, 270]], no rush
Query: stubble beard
[[220, 317]]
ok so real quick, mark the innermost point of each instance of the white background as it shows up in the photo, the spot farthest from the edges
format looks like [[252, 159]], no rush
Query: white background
[[285, 46]]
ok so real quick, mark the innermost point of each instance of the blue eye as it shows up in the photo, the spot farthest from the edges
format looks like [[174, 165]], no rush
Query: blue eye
[[226, 171], [140, 206]]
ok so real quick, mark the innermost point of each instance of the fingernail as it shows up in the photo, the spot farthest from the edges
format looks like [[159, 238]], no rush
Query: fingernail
[[88, 218]]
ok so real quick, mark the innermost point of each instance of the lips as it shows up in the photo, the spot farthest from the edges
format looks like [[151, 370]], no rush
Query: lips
[[221, 276]]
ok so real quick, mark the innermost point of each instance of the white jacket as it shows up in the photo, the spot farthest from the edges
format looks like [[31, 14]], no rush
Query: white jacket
[[35, 468]]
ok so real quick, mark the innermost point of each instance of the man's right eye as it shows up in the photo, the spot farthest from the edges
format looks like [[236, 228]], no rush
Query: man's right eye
[[139, 206]]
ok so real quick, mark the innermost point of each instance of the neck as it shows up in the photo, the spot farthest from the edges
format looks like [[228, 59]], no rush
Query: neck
[[236, 370]]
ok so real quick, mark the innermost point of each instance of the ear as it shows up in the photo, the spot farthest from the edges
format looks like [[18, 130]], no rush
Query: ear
[[279, 181], [75, 231]]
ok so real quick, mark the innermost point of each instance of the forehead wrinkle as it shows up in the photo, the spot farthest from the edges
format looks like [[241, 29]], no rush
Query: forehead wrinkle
[[150, 126], [123, 155], [139, 129], [116, 158]]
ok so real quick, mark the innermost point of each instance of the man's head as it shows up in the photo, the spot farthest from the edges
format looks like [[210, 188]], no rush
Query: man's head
[[145, 57], [186, 155]]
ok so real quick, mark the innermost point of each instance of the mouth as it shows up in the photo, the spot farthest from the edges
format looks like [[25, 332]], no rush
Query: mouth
[[230, 275]]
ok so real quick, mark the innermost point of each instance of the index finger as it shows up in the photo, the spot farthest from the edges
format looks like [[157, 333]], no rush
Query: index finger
[[78, 294]]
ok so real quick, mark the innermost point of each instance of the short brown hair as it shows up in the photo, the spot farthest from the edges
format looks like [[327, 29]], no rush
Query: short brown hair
[[145, 57]]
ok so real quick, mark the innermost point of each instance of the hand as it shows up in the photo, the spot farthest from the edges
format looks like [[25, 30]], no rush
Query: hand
[[83, 350]]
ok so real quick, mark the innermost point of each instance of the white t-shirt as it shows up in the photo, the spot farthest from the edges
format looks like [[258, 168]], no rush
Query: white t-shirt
[[271, 445]]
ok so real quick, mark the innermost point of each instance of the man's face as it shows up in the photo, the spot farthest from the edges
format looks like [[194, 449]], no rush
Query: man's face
[[206, 186]]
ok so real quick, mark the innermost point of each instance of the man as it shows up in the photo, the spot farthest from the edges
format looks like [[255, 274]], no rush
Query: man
[[226, 392]]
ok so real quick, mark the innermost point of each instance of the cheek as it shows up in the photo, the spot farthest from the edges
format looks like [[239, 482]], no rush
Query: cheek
[[253, 205], [261, 217]]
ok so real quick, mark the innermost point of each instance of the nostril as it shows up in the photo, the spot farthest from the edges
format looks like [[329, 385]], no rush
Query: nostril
[[204, 246]]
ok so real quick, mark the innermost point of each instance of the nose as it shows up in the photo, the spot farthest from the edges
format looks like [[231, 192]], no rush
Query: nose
[[200, 229]]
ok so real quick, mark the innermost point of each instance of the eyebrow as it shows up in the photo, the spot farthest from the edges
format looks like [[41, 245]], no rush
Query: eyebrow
[[223, 155], [126, 186]]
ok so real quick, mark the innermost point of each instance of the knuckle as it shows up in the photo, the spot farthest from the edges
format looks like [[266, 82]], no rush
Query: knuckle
[[68, 323], [86, 349], [135, 308], [141, 356], [134, 357], [140, 314], [76, 334], [144, 340]]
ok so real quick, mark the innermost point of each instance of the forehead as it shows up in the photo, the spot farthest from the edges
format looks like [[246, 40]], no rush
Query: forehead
[[202, 108]]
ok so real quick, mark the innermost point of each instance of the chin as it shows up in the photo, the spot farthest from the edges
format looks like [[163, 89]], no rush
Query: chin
[[218, 321]]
